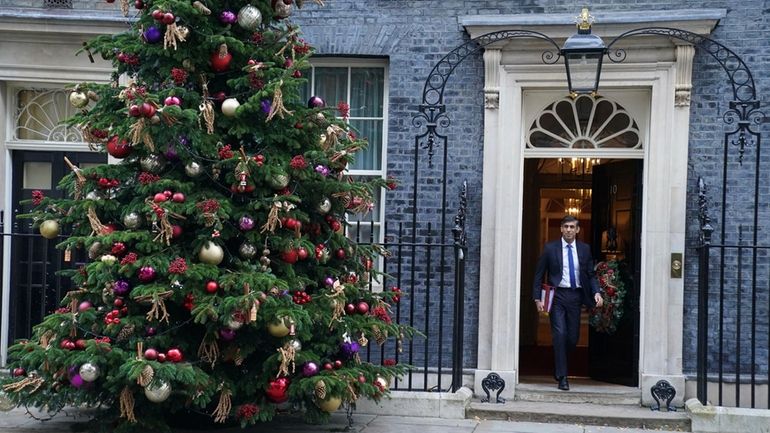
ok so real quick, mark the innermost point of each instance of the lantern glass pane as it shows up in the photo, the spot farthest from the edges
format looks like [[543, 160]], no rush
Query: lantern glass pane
[[583, 68]]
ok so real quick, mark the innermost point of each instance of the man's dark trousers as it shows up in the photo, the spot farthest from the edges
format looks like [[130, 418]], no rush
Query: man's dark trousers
[[565, 326]]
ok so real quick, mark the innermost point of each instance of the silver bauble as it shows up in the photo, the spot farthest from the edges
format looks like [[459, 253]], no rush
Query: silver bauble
[[296, 344], [247, 250], [93, 195], [211, 254], [132, 220], [158, 391], [249, 17], [193, 169], [279, 181], [89, 372], [324, 206], [95, 250], [153, 163]]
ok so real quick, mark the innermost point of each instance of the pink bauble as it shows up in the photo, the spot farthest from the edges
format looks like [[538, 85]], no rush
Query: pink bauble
[[146, 274]]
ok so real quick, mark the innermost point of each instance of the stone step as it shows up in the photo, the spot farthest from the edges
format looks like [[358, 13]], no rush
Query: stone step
[[581, 391], [623, 416]]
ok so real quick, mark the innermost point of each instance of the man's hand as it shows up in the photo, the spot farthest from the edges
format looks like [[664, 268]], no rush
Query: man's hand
[[539, 305], [599, 300]]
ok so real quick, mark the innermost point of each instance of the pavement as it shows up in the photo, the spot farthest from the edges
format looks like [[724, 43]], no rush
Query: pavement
[[19, 421]]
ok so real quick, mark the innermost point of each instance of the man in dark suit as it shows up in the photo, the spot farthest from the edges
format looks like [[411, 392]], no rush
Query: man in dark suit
[[570, 269]]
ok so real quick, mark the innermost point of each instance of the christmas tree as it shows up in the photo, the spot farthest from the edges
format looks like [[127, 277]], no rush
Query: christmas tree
[[219, 279]]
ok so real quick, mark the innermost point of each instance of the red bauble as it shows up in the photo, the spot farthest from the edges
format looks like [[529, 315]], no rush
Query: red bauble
[[157, 14], [362, 307], [362, 379], [80, 344], [178, 197], [290, 223], [161, 357], [168, 18], [174, 355], [118, 302], [335, 226], [118, 148], [350, 308], [277, 390], [220, 60], [341, 254], [148, 110], [18, 371], [328, 366], [139, 4], [337, 363], [109, 228], [151, 354], [168, 193], [134, 111], [172, 100], [302, 253], [212, 287], [176, 231], [159, 197], [290, 256]]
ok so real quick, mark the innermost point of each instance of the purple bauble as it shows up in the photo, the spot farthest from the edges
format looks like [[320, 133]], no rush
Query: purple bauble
[[227, 334], [329, 281], [76, 380], [171, 153], [246, 223], [150, 331], [266, 105], [153, 35], [183, 140], [310, 368], [349, 348], [121, 288], [146, 274], [315, 102], [228, 17]]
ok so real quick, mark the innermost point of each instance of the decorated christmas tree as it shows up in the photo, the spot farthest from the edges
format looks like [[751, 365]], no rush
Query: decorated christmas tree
[[219, 279]]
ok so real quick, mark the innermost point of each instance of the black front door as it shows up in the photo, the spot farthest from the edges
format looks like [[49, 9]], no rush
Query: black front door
[[616, 222], [35, 288]]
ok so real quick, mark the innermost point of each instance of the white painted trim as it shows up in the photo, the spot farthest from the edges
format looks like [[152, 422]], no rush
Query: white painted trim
[[5, 283]]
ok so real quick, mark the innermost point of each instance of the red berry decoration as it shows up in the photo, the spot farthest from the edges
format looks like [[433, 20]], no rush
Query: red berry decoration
[[212, 287], [397, 294], [174, 355], [118, 249]]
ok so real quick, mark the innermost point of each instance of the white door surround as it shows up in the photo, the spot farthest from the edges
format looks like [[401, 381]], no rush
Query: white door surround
[[655, 67]]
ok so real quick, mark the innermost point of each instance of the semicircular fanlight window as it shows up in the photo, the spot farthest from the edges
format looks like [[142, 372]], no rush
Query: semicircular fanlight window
[[585, 122], [40, 113]]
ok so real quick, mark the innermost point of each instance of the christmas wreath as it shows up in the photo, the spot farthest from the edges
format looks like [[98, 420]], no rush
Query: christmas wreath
[[606, 318]]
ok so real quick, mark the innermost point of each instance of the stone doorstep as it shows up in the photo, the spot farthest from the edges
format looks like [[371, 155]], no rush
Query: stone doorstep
[[624, 416], [579, 393]]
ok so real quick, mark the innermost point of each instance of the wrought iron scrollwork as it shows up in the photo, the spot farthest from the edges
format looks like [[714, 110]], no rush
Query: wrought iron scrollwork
[[744, 108], [494, 382], [663, 391], [432, 111]]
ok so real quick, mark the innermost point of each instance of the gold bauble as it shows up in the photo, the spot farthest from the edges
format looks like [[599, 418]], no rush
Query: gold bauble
[[279, 181], [49, 229], [78, 99], [211, 254], [330, 404], [278, 328]]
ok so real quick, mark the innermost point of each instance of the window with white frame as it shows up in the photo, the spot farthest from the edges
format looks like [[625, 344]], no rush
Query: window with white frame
[[39, 116], [362, 84]]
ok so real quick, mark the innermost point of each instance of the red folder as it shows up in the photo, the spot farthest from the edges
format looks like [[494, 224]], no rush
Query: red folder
[[546, 295]]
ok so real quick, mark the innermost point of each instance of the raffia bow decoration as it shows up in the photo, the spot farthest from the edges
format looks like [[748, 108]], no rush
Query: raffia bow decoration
[[277, 107], [166, 229], [80, 180], [208, 351], [333, 134], [206, 108], [200, 7], [96, 226], [124, 7], [89, 137], [273, 217], [287, 358], [224, 406], [337, 297], [140, 136], [158, 311], [127, 405], [32, 381], [173, 35]]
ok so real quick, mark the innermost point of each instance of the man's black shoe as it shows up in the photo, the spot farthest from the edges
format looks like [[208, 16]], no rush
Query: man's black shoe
[[563, 384], [556, 378]]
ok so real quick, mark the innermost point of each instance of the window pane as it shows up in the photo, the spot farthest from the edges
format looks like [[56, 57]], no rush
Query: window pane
[[331, 84], [37, 175], [304, 90], [371, 157], [366, 92], [365, 233]]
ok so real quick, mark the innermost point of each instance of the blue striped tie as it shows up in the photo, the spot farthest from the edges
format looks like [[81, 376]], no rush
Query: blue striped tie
[[572, 282]]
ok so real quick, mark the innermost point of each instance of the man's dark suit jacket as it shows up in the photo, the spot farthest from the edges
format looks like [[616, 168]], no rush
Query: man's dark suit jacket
[[550, 262]]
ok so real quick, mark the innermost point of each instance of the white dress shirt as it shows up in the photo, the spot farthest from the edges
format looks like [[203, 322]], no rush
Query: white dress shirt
[[565, 264]]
